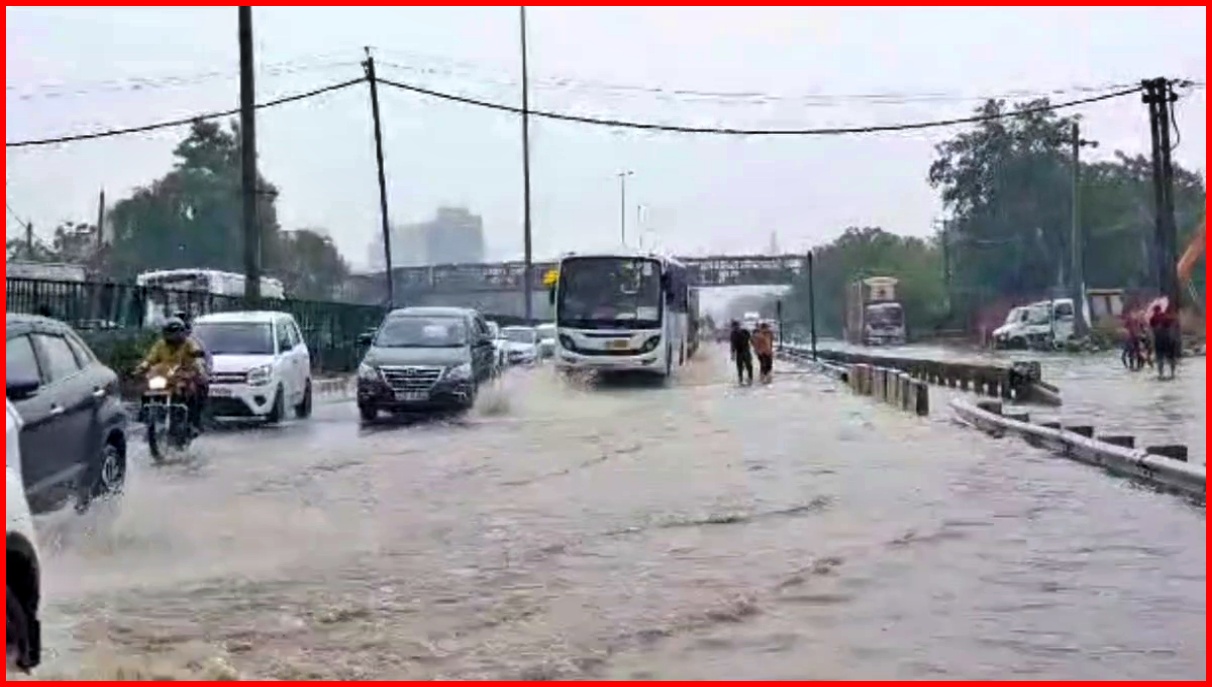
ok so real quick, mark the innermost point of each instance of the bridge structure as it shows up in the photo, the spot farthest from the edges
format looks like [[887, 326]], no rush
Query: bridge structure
[[498, 287]]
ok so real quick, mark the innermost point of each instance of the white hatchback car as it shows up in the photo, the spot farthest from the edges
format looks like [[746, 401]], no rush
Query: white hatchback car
[[22, 573], [261, 365]]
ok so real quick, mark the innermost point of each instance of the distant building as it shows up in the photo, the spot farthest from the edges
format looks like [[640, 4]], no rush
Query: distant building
[[454, 235]]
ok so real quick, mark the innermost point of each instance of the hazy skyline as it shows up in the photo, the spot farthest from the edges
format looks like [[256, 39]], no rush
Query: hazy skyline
[[723, 195]]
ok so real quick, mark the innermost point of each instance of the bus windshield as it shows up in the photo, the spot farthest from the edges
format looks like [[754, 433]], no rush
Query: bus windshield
[[609, 293]]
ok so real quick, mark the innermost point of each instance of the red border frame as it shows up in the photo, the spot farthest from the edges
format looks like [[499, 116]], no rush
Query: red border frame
[[632, 4]]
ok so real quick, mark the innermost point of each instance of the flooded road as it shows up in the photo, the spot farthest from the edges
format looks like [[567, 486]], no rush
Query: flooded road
[[1096, 389], [691, 532]]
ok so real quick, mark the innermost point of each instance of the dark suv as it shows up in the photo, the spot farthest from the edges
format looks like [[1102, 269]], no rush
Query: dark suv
[[425, 359], [73, 440]]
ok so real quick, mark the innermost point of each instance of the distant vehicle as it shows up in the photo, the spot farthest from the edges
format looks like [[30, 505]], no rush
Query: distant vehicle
[[521, 345], [73, 434], [1038, 325], [694, 323], [547, 340], [23, 566], [425, 359], [621, 311], [182, 289], [874, 314], [498, 344], [45, 271], [261, 363]]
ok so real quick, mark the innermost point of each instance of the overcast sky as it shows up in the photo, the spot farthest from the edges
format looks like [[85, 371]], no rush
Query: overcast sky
[[74, 70]]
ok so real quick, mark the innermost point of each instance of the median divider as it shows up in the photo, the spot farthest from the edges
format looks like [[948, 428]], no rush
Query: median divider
[[1163, 467], [891, 386]]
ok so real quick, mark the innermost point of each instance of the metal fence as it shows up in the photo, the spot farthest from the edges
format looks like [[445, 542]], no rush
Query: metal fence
[[108, 310]]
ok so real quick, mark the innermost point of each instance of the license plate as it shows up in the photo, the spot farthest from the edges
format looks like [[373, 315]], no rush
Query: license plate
[[412, 396], [620, 345], [220, 392]]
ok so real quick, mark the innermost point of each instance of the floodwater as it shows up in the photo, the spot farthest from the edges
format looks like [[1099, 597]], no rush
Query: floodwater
[[697, 531]]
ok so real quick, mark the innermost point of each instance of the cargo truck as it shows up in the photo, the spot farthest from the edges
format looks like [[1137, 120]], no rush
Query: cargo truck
[[874, 314]]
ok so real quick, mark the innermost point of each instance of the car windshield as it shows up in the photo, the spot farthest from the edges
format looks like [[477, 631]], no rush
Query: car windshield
[[236, 338], [610, 292], [886, 316], [416, 331], [519, 335]]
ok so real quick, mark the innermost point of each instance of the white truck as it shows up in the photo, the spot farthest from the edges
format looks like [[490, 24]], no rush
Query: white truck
[[1043, 324], [874, 314]]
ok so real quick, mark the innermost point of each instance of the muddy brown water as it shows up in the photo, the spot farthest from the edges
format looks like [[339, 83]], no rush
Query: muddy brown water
[[697, 531]]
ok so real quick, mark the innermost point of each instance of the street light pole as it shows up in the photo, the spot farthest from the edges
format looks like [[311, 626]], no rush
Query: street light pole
[[623, 205], [528, 245], [1077, 248]]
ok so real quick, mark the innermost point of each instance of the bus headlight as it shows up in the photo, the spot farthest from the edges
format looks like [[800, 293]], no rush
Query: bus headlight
[[566, 343], [157, 383], [651, 344]]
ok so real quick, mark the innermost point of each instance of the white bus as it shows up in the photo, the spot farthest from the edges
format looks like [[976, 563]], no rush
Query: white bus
[[621, 311], [190, 283]]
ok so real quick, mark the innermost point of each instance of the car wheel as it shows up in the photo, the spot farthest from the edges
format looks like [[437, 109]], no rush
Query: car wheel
[[278, 411], [16, 632], [368, 413], [106, 478], [303, 410]]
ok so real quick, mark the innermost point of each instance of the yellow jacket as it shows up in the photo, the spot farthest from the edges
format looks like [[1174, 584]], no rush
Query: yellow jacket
[[187, 356]]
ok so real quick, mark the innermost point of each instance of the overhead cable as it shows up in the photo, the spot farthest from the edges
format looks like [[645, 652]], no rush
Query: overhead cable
[[726, 131], [108, 133]]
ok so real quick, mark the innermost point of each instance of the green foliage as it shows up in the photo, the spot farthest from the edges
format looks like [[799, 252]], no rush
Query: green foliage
[[866, 252], [309, 264], [1008, 186]]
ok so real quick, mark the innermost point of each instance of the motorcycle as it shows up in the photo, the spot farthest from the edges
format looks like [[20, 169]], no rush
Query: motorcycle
[[165, 414]]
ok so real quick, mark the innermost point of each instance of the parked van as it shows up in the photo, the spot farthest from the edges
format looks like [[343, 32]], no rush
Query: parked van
[[262, 366], [1038, 325]]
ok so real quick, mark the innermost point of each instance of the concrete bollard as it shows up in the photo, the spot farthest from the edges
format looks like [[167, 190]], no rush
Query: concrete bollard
[[921, 401], [1123, 440], [1171, 451], [1084, 430]]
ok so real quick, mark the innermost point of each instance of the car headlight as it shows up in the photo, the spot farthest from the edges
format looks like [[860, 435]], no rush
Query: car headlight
[[459, 371], [260, 376], [368, 373], [157, 383], [651, 344]]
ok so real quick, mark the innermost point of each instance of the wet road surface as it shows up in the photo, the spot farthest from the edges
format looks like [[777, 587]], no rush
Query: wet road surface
[[698, 531], [1096, 389]]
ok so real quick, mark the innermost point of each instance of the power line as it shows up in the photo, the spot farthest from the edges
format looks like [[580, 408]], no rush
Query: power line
[[182, 121], [722, 131], [760, 98]]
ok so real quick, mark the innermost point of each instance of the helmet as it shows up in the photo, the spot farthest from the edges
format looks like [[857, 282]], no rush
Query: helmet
[[173, 329]]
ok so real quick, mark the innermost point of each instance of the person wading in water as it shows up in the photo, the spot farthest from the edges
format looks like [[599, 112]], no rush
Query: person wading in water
[[742, 353], [763, 346]]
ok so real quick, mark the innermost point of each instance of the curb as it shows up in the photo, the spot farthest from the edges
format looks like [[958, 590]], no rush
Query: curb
[[1112, 453]]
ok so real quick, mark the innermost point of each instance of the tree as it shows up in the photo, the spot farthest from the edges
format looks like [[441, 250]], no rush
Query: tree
[[309, 264], [192, 216], [865, 252]]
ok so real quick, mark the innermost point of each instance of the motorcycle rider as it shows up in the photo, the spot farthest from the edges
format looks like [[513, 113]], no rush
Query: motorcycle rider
[[203, 383], [177, 350]]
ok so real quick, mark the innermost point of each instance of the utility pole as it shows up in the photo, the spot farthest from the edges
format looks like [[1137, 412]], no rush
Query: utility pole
[[29, 241], [623, 206], [101, 220], [248, 163], [527, 239], [812, 301], [945, 245], [1159, 96], [1077, 239], [369, 66]]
